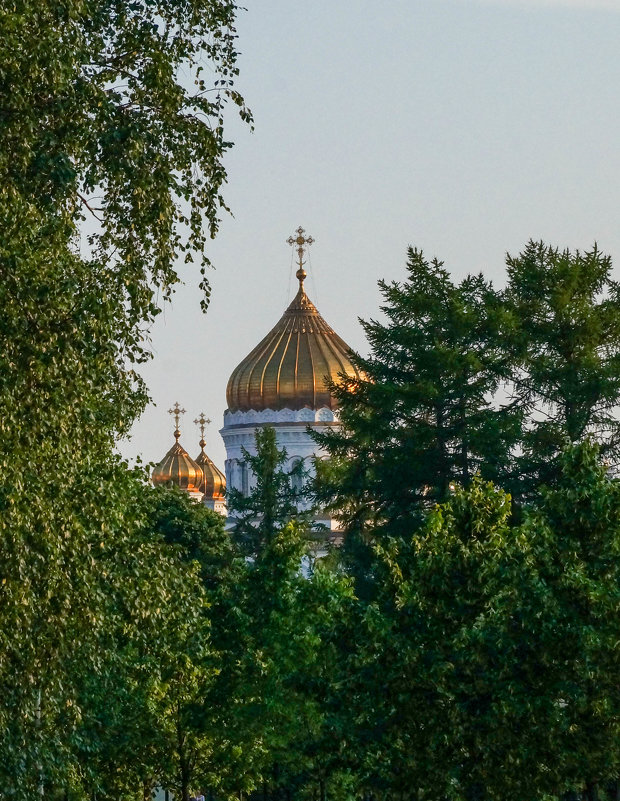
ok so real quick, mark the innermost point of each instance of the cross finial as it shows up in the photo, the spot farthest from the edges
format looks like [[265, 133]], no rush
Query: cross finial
[[202, 422], [176, 411], [300, 242]]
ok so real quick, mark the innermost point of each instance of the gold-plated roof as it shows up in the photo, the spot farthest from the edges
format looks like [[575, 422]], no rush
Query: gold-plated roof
[[177, 466], [288, 368], [213, 486]]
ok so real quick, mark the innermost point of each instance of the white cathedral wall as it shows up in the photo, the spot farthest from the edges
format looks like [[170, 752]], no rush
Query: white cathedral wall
[[291, 434], [218, 505]]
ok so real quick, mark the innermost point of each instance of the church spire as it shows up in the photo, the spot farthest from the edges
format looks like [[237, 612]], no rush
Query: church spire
[[301, 242]]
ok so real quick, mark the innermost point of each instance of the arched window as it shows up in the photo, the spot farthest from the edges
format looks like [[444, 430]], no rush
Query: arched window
[[297, 475], [245, 482]]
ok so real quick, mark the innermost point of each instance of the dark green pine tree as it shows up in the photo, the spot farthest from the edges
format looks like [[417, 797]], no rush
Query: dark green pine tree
[[423, 417], [272, 502], [565, 340]]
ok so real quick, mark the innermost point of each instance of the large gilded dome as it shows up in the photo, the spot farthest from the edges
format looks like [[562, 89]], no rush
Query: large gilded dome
[[288, 368]]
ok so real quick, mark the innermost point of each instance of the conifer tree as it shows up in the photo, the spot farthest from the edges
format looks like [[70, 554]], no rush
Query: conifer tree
[[421, 417], [564, 340]]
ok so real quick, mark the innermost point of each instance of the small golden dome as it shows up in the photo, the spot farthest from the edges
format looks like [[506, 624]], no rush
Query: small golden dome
[[213, 486], [288, 368], [177, 466]]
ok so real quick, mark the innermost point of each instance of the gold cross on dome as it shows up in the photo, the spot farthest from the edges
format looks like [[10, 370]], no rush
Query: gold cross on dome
[[300, 242], [176, 411], [202, 422]]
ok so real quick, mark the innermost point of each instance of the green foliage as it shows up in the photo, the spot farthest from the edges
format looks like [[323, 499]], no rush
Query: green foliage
[[153, 659], [565, 347], [188, 709], [139, 643], [430, 650], [421, 418], [97, 122], [271, 502], [578, 523], [198, 532], [288, 658], [464, 378], [484, 662], [108, 111], [487, 666], [289, 620]]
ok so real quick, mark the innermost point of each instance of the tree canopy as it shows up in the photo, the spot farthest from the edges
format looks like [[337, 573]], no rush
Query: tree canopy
[[465, 378], [464, 647], [111, 167], [564, 342]]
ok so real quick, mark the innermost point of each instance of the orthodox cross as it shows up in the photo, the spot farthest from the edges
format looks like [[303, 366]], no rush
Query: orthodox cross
[[202, 422], [176, 411], [301, 242]]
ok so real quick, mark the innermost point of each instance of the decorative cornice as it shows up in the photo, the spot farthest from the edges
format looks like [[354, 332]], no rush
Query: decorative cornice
[[305, 416]]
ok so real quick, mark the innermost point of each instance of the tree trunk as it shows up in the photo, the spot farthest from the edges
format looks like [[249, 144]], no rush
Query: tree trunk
[[185, 777], [592, 791], [184, 760], [184, 770], [184, 784], [464, 447], [322, 789], [443, 479]]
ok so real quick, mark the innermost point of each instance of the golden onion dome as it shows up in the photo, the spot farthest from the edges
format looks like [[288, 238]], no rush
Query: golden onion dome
[[213, 486], [289, 368], [177, 466]]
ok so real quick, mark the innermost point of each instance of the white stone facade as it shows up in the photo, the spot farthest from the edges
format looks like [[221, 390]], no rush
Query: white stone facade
[[218, 505], [292, 435]]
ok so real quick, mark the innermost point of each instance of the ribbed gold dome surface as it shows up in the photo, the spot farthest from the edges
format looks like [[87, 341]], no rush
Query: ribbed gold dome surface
[[214, 483], [287, 369], [178, 467]]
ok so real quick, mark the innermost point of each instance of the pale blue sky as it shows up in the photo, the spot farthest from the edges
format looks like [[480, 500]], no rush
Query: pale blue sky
[[464, 127]]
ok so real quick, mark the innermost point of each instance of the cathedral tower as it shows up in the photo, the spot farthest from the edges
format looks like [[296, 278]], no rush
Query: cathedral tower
[[282, 383]]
